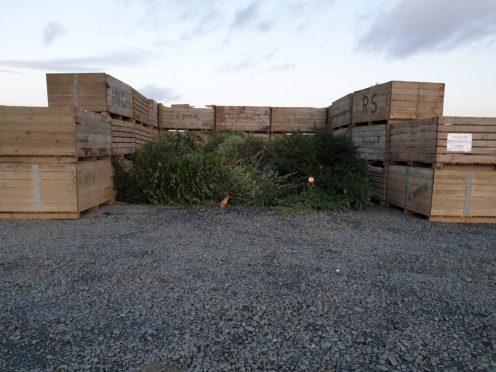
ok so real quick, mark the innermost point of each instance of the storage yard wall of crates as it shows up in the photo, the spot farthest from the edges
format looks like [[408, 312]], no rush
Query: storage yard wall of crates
[[55, 162]]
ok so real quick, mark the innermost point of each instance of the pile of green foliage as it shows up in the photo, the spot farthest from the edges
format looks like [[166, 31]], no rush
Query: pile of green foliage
[[179, 169]]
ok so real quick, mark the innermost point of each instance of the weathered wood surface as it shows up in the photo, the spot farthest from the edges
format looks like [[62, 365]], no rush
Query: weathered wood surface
[[340, 112], [53, 132], [97, 92], [434, 140], [141, 107], [377, 181], [242, 118], [297, 119], [410, 188], [371, 141], [398, 100], [95, 183], [186, 117]]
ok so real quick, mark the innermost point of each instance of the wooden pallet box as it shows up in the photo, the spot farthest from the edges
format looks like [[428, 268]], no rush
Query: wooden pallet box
[[339, 115], [97, 92], [153, 113], [243, 118], [378, 174], [371, 141], [454, 193], [48, 131], [50, 190], [398, 100], [123, 137], [143, 134], [297, 119], [141, 108], [185, 117], [445, 140], [54, 162]]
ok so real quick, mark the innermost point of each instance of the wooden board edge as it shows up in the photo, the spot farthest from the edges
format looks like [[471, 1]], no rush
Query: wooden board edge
[[39, 216], [463, 219]]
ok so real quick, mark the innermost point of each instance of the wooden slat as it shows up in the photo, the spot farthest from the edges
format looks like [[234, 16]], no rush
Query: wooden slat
[[40, 131], [95, 187], [398, 100], [186, 117], [38, 188], [243, 118], [371, 141], [297, 119], [97, 92], [340, 112]]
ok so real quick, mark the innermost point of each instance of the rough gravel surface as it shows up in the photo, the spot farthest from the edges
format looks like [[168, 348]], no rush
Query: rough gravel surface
[[156, 288]]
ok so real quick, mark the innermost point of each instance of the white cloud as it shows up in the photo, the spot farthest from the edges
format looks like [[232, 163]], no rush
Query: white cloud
[[52, 31], [414, 26]]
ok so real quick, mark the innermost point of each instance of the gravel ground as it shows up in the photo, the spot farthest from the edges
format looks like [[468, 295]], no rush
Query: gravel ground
[[156, 288]]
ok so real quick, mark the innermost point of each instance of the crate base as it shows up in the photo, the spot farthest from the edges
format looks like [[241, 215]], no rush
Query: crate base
[[50, 215], [39, 215], [462, 219]]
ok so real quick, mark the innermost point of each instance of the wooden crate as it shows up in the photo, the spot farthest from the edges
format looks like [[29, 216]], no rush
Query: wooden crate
[[378, 174], [56, 132], [339, 115], [371, 141], [445, 140], [398, 100], [141, 107], [454, 193], [242, 118], [123, 137], [53, 191], [97, 92], [185, 117], [153, 113], [297, 119], [142, 134]]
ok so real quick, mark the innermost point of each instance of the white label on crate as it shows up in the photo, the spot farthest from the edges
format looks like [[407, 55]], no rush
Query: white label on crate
[[459, 142]]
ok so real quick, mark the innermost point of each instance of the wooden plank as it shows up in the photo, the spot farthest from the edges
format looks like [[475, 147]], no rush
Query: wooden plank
[[371, 141], [482, 133], [186, 117], [243, 118], [153, 113], [97, 92], [340, 112], [39, 216], [464, 191], [95, 185], [378, 182], [398, 100], [93, 134], [40, 131], [141, 108], [297, 119], [38, 187]]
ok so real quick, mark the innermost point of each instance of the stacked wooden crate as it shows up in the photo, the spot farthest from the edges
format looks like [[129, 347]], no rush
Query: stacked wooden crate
[[250, 119], [153, 117], [143, 128], [444, 168], [373, 111], [339, 115], [54, 162], [179, 118], [131, 113], [296, 120]]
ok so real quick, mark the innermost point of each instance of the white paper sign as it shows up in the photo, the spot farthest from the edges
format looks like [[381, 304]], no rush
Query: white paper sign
[[459, 142]]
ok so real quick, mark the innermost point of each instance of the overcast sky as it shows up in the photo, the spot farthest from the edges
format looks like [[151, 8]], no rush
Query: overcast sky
[[254, 52]]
